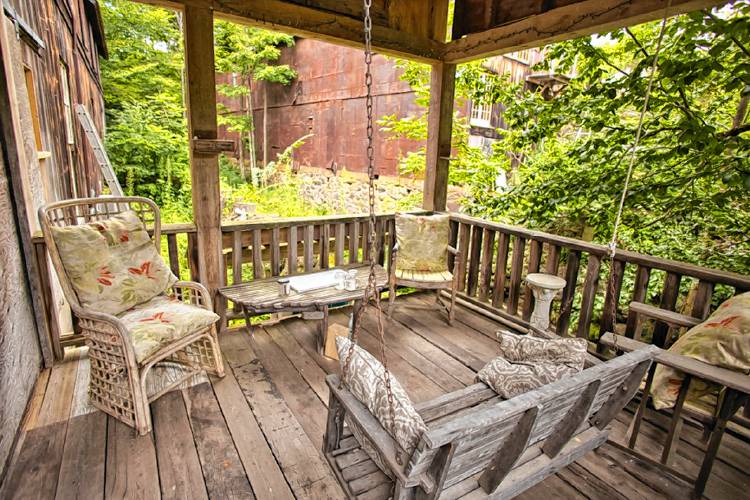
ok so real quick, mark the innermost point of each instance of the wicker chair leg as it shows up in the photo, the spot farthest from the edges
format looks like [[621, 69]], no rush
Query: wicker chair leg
[[142, 409], [217, 365]]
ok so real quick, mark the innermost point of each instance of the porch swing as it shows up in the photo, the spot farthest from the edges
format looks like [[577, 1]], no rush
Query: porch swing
[[470, 442]]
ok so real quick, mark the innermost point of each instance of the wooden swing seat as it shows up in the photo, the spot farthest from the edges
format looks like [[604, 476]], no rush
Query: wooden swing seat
[[478, 445]]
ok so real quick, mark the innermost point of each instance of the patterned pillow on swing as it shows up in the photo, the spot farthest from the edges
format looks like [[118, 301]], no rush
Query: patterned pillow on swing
[[365, 381], [527, 363]]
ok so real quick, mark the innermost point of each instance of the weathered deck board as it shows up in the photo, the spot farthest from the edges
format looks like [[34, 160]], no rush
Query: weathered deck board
[[258, 431]]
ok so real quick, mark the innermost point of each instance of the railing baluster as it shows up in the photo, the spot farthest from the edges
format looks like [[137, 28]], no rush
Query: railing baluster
[[309, 250], [535, 259], [390, 241], [275, 251], [474, 260], [702, 300], [501, 264], [463, 248], [380, 238], [353, 242], [236, 262], [174, 254], [516, 268], [485, 273], [366, 241], [640, 288], [340, 243], [590, 287], [569, 292], [291, 249], [192, 256], [668, 301], [552, 266], [258, 271], [325, 240], [612, 297]]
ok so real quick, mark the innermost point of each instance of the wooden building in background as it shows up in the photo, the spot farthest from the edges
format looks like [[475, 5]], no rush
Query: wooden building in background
[[49, 50]]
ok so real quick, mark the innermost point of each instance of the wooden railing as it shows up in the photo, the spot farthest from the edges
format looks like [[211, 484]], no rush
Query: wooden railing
[[497, 258]]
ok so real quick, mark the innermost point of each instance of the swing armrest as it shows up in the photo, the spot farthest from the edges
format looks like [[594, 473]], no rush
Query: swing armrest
[[698, 369], [386, 446]]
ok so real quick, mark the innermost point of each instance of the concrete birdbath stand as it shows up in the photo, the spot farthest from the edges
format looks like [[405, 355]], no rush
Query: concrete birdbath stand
[[545, 288]]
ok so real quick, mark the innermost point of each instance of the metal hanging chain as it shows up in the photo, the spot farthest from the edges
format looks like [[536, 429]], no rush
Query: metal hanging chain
[[631, 166], [371, 292]]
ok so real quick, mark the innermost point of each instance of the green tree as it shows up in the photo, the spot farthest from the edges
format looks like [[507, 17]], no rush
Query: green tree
[[689, 198], [249, 54], [146, 130]]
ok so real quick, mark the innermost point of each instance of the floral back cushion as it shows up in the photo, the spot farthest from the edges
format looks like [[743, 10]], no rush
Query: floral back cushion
[[422, 242], [112, 264], [365, 379], [722, 340]]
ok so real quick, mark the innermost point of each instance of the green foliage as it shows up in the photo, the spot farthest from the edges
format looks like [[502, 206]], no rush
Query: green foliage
[[146, 130], [472, 82], [248, 54], [689, 198]]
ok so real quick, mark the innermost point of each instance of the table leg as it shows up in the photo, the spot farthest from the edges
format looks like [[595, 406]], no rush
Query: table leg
[[248, 323], [323, 334], [356, 310]]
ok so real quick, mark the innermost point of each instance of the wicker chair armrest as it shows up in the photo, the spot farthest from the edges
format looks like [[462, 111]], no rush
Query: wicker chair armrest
[[95, 322], [193, 293]]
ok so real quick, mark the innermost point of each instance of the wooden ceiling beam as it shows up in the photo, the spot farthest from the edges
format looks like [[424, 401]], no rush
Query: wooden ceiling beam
[[309, 22], [563, 23]]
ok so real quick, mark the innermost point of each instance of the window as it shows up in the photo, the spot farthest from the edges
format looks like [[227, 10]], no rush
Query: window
[[33, 107], [481, 114], [67, 107]]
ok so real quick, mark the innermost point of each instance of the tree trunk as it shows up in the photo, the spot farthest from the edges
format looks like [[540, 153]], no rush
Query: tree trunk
[[265, 124], [242, 146], [251, 135]]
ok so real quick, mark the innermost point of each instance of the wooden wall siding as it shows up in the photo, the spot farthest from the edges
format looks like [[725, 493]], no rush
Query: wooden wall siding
[[68, 38], [327, 100], [20, 356]]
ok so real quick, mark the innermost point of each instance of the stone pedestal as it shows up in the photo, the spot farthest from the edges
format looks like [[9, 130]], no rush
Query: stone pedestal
[[545, 288]]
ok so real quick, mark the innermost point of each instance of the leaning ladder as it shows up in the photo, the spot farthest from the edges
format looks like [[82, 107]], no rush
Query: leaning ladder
[[101, 155]]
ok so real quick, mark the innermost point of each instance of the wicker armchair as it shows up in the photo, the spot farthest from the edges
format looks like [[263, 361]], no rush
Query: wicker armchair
[[117, 384]]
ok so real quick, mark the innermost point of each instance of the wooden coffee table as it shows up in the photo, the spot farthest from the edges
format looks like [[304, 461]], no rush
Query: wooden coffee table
[[262, 297]]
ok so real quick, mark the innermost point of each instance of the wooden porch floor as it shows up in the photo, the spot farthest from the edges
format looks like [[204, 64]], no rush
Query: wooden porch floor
[[258, 432]]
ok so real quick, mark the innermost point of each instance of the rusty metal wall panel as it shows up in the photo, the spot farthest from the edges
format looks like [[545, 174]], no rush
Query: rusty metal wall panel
[[328, 100]]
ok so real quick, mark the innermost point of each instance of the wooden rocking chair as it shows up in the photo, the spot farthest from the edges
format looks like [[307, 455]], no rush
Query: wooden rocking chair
[[117, 383], [478, 445]]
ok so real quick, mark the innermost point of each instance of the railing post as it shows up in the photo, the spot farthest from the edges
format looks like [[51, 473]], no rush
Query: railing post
[[204, 167]]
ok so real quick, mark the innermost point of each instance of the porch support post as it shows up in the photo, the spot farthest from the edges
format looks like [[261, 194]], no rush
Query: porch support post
[[204, 167], [439, 128]]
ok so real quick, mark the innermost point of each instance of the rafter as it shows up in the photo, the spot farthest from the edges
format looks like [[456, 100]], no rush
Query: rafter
[[309, 22], [563, 23]]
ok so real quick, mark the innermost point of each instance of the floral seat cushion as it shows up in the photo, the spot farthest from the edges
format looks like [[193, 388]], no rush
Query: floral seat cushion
[[112, 264], [722, 340], [365, 380], [162, 320], [527, 363], [422, 242]]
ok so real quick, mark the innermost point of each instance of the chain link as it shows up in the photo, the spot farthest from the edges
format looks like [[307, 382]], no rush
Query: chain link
[[371, 293]]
